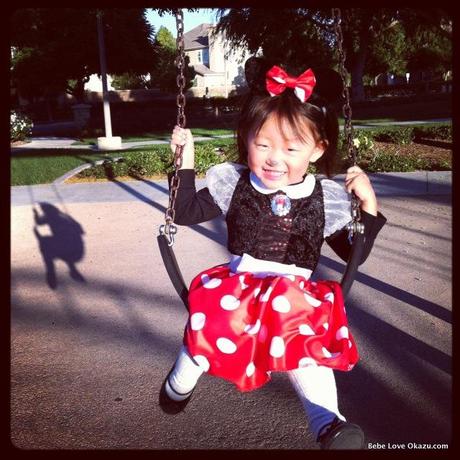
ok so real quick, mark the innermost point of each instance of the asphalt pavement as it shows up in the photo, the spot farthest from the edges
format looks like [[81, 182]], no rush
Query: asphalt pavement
[[93, 338]]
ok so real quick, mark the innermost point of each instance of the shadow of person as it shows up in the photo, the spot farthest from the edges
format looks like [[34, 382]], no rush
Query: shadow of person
[[64, 243]]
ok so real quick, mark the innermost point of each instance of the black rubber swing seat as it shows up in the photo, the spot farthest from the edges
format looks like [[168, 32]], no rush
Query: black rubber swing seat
[[177, 280]]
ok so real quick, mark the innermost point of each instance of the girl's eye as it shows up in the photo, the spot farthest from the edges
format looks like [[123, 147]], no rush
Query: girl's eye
[[262, 145]]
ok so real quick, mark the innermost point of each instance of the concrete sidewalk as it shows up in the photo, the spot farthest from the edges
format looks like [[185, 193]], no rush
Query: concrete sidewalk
[[91, 345], [385, 184]]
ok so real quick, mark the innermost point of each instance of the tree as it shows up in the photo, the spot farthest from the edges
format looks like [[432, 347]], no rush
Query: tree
[[163, 76], [129, 80], [428, 47], [295, 37], [300, 37], [57, 48]]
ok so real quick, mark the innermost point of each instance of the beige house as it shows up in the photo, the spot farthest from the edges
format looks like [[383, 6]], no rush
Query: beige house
[[219, 68]]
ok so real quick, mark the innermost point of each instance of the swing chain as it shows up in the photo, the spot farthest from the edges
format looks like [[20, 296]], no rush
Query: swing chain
[[355, 226], [169, 229]]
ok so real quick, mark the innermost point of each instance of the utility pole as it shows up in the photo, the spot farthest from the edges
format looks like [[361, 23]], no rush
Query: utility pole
[[108, 142]]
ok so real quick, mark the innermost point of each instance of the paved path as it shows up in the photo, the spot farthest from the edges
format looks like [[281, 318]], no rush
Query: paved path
[[89, 349]]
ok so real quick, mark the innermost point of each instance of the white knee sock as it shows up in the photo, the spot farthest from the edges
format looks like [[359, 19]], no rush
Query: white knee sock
[[315, 386], [184, 376]]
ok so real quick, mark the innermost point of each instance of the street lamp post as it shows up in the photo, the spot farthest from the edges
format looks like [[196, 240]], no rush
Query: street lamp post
[[108, 142]]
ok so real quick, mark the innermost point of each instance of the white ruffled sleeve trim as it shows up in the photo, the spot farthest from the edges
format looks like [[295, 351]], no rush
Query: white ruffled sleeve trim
[[337, 206], [221, 181]]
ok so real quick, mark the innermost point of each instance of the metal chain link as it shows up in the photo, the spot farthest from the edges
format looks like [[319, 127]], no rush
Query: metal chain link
[[355, 225], [169, 229]]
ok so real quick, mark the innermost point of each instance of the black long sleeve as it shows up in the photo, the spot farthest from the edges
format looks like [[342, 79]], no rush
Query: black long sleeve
[[193, 207], [339, 243]]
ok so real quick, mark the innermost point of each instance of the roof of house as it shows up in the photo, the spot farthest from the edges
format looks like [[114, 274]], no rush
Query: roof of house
[[197, 38], [201, 69]]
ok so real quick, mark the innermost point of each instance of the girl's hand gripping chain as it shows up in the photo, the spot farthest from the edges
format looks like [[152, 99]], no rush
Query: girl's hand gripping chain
[[182, 136], [357, 181]]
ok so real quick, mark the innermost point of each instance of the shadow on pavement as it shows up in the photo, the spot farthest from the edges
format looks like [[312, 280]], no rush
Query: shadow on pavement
[[366, 398], [425, 305], [64, 243]]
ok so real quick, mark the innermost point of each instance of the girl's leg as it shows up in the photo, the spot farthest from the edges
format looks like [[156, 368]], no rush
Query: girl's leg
[[315, 386], [183, 377]]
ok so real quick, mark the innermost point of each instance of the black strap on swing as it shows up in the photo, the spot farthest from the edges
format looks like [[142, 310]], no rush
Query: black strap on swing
[[168, 230]]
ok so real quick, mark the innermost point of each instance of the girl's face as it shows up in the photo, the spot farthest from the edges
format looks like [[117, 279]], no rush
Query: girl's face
[[279, 160]]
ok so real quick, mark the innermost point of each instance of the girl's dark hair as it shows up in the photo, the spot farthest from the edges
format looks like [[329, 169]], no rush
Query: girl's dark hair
[[319, 111]]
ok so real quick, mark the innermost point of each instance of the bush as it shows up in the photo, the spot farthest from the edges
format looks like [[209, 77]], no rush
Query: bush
[[397, 135], [20, 126], [381, 160], [443, 132]]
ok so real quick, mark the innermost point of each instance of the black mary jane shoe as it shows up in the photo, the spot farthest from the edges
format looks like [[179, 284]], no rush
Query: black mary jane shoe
[[342, 435], [168, 405]]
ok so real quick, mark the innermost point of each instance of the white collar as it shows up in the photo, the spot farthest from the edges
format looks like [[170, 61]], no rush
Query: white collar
[[296, 191]]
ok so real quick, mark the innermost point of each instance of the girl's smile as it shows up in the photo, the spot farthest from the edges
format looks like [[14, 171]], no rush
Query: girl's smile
[[277, 157]]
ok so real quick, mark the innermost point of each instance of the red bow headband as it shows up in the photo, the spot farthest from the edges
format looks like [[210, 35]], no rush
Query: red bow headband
[[277, 80]]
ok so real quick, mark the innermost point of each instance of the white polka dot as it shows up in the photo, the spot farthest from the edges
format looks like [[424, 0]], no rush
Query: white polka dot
[[202, 362], [277, 347], [330, 297], [342, 333], [305, 329], [225, 345], [250, 369], [311, 300], [301, 284], [349, 344], [253, 328], [263, 333], [266, 295], [328, 354], [307, 361], [256, 292], [281, 304], [229, 302], [243, 285], [326, 326], [197, 321], [210, 283]]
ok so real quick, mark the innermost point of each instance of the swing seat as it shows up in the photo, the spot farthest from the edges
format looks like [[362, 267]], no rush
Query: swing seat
[[177, 280], [172, 267]]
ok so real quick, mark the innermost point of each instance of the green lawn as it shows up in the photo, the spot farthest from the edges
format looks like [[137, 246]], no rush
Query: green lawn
[[45, 166]]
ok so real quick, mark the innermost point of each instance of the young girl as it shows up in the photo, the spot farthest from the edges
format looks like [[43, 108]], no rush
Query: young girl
[[261, 312]]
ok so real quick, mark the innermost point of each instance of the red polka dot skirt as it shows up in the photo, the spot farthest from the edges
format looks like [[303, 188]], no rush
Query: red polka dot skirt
[[242, 327]]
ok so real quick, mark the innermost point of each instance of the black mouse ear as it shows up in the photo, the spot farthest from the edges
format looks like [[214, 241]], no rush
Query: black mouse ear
[[329, 85], [255, 69]]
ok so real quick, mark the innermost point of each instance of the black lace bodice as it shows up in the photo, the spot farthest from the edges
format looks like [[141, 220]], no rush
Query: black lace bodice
[[254, 229]]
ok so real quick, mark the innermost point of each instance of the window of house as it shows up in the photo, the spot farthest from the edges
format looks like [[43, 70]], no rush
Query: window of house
[[205, 56]]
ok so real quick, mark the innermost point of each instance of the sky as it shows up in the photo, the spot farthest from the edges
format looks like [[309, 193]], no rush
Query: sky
[[191, 20]]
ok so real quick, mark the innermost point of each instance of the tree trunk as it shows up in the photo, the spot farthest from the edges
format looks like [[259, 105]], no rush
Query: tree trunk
[[357, 73], [79, 91], [359, 63]]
